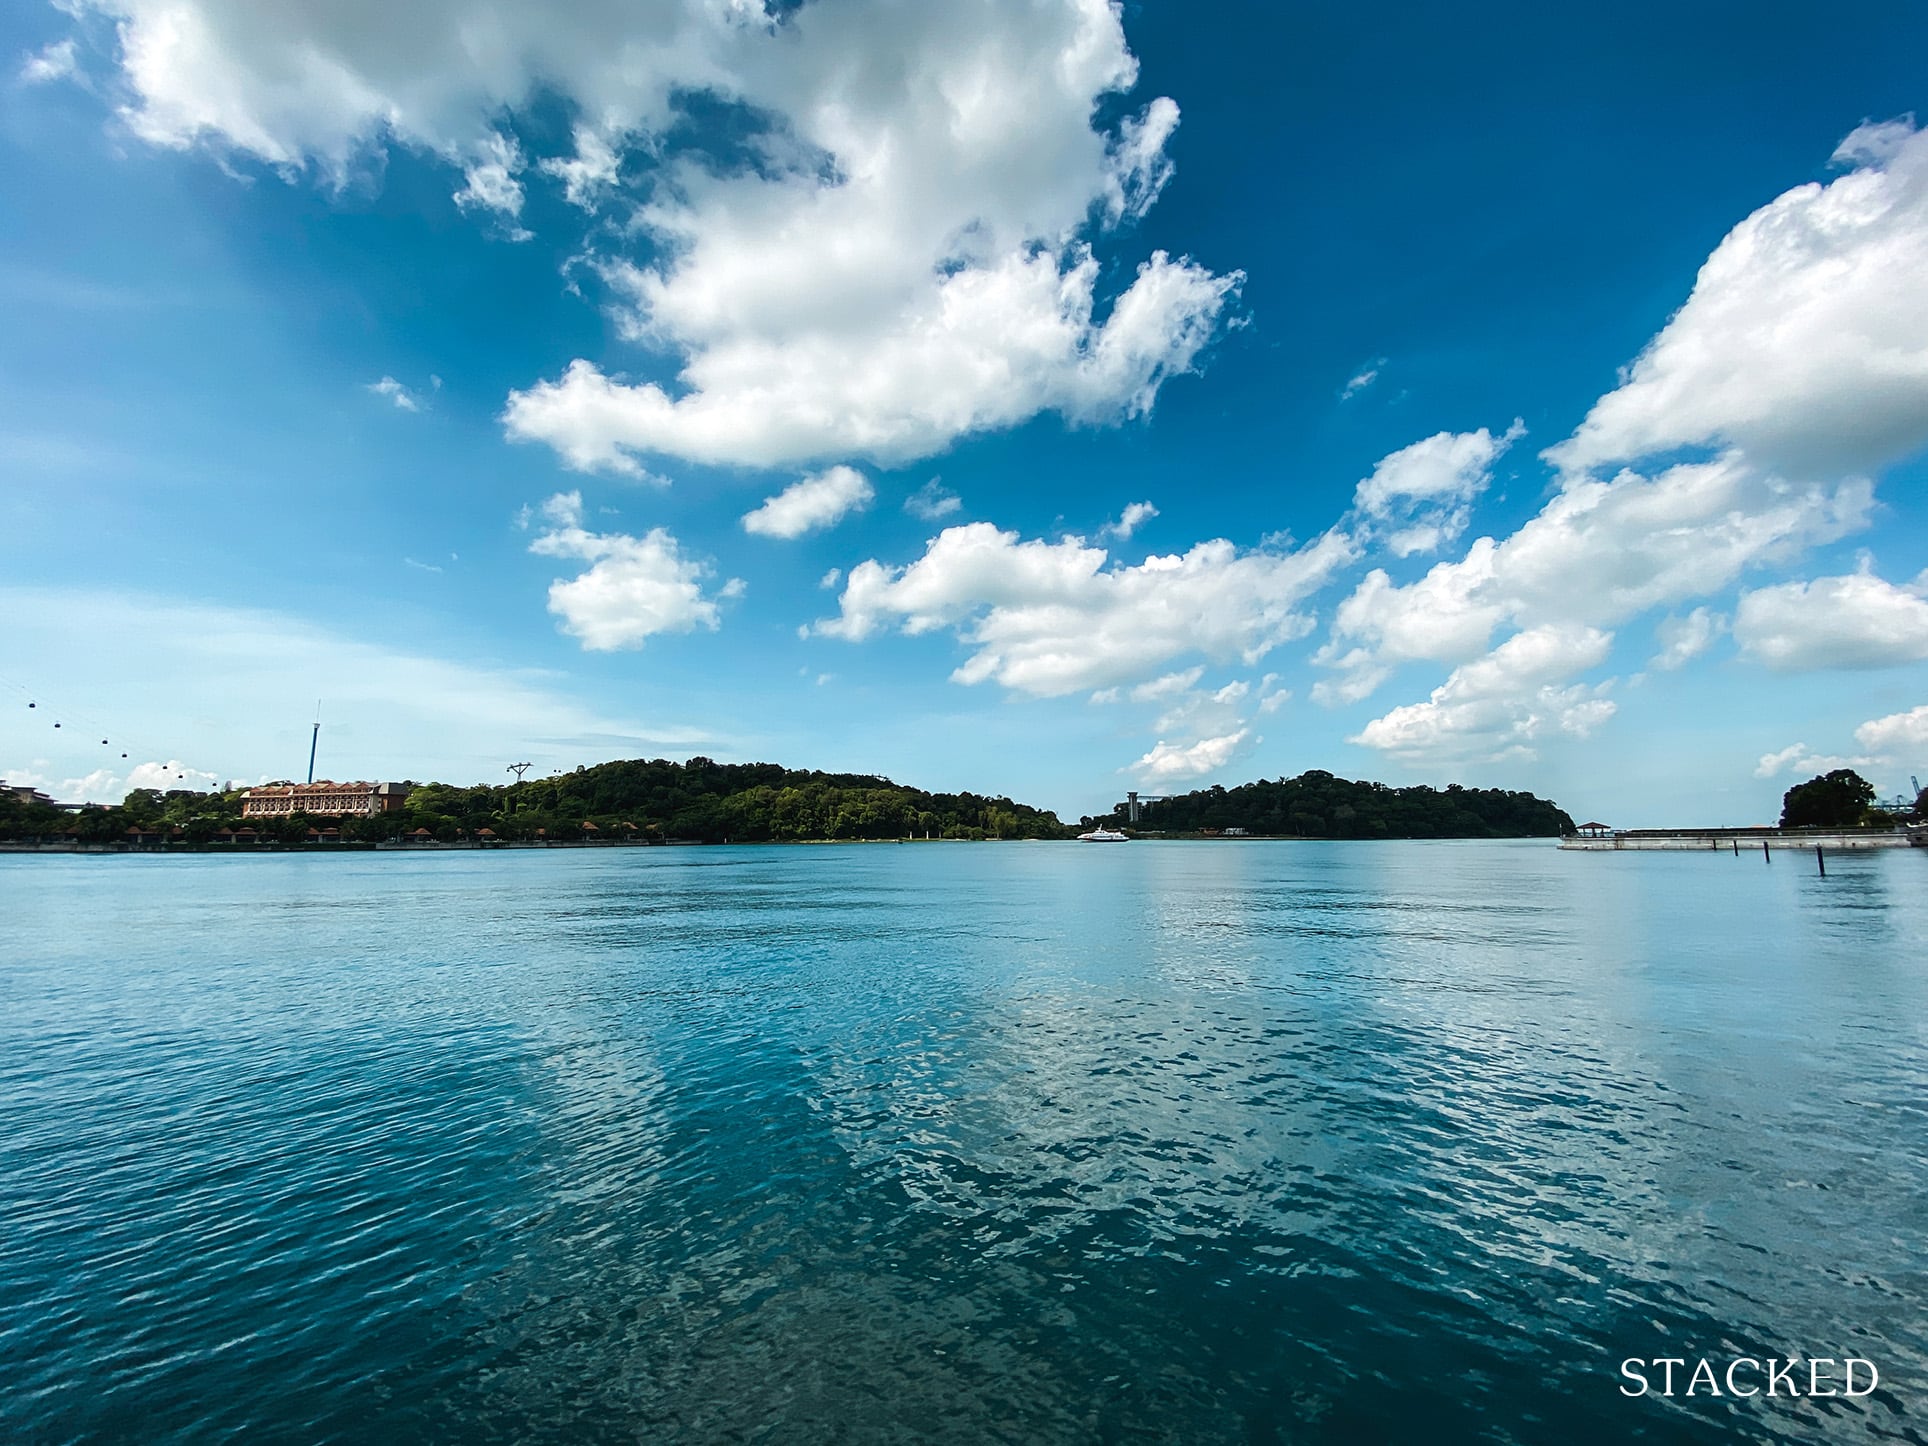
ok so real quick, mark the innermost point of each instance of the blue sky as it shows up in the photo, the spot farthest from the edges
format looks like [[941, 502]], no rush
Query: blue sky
[[1524, 396]]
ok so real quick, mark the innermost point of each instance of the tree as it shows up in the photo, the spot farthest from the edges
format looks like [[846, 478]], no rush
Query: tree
[[1840, 799], [1921, 804]]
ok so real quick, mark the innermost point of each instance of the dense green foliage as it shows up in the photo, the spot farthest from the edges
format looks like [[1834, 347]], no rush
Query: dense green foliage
[[1318, 805], [650, 800], [1841, 799], [744, 802]]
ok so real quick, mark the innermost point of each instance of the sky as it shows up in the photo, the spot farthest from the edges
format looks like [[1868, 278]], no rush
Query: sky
[[1037, 397]]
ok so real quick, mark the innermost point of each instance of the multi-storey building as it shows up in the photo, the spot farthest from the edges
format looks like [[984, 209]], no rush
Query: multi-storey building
[[332, 800]]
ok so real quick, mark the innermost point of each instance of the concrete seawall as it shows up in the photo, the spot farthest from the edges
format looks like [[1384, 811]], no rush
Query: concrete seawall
[[1747, 840]]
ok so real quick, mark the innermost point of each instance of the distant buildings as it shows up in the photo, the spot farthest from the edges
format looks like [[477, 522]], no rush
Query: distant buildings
[[330, 800], [28, 794]]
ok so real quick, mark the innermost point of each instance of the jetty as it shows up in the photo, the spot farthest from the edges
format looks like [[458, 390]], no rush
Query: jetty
[[1599, 838]]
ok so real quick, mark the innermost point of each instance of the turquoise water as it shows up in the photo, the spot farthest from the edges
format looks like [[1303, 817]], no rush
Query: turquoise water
[[1022, 1142]]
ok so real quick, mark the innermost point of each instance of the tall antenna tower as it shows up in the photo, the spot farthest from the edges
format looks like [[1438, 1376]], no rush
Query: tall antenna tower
[[314, 741], [518, 769]]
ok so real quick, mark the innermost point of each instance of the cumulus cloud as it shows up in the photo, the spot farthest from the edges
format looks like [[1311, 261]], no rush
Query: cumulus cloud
[[1805, 341], [813, 503], [1420, 495], [1800, 362], [1799, 759], [591, 173], [1897, 734], [933, 502], [1445, 467], [1682, 639], [1499, 706], [1048, 618], [1179, 763], [1857, 621], [1598, 553], [985, 347], [489, 181], [1135, 515], [893, 255], [635, 587]]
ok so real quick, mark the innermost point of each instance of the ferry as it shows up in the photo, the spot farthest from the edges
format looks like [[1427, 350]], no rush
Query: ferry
[[1104, 835]]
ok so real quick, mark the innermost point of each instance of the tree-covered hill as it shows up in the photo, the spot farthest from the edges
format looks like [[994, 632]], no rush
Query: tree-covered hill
[[745, 802], [650, 800], [1318, 805]]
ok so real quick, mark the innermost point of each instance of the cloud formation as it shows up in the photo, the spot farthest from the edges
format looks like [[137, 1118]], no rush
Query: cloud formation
[[1420, 496], [1050, 618], [634, 588], [813, 503], [1499, 706], [401, 396], [1682, 639], [1181, 763], [901, 259], [1857, 621], [1805, 341], [1896, 734], [933, 502]]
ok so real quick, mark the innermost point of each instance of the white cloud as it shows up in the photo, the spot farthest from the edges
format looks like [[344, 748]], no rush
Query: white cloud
[[1897, 739], [1177, 763], [987, 347], [635, 588], [591, 173], [1857, 621], [490, 179], [1135, 515], [1799, 759], [1169, 686], [1596, 555], [1896, 734], [904, 261], [400, 395], [389, 712], [831, 578], [813, 503], [1499, 706], [1805, 341], [903, 265], [1423, 492], [1360, 380], [1682, 639], [49, 63], [1053, 618], [933, 502], [1445, 467]]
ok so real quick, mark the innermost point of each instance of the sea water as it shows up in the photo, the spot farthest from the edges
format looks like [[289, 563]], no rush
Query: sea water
[[1235, 1141]]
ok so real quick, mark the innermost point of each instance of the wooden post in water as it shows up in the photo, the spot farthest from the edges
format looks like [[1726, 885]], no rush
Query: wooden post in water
[[1737, 848], [1819, 859], [1764, 855]]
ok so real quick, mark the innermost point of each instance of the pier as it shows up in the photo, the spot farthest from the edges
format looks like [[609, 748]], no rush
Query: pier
[[1743, 840]]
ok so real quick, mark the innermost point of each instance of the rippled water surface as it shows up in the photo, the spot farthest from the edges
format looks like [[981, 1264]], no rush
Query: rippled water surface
[[1022, 1142]]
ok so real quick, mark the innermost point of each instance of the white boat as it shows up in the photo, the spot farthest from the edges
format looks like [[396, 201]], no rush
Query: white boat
[[1104, 835]]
